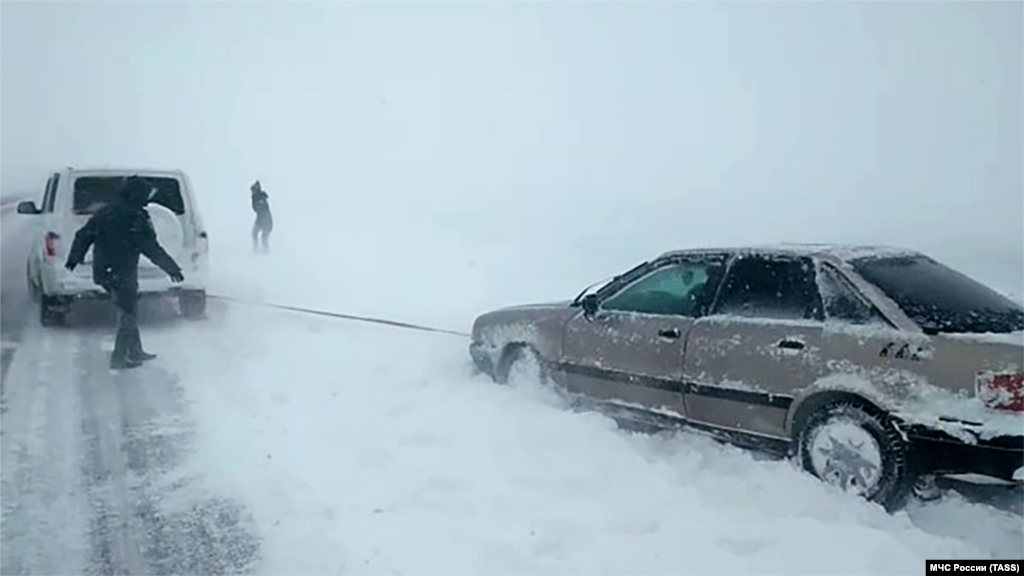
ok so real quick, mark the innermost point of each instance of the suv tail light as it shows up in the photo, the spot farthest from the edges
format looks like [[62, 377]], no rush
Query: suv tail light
[[1001, 390], [51, 244]]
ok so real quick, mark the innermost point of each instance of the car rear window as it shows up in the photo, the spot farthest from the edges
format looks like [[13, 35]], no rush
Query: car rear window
[[940, 299], [95, 192]]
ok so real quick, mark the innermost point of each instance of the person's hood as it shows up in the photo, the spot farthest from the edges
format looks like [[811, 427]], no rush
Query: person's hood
[[136, 191]]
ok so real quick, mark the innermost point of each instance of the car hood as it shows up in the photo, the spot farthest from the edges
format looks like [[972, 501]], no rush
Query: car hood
[[523, 319], [539, 306]]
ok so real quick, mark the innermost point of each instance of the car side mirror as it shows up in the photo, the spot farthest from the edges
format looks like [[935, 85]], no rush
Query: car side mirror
[[27, 207], [589, 304]]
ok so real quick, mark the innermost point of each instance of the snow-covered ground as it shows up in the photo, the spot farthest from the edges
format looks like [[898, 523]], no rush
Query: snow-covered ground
[[367, 449], [427, 163]]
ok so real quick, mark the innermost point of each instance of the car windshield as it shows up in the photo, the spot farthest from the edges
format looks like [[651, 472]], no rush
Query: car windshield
[[95, 192], [940, 299]]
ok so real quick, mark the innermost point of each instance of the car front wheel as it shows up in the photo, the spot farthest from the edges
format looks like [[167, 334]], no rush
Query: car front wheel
[[855, 448], [521, 364]]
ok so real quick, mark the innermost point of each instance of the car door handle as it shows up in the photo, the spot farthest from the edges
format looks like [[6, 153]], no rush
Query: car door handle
[[669, 333], [792, 344]]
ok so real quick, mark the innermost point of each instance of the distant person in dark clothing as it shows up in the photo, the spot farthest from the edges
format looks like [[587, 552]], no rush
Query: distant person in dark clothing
[[264, 221], [119, 233]]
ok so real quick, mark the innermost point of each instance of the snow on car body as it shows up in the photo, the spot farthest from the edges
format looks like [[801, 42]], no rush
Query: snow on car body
[[72, 196], [875, 367]]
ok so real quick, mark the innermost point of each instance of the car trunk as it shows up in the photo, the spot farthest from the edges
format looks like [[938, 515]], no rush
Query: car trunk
[[988, 366], [977, 333]]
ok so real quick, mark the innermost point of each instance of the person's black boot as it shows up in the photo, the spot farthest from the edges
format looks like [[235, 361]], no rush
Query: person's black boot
[[123, 363], [137, 353]]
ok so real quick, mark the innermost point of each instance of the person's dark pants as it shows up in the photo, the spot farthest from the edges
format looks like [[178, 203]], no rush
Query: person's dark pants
[[261, 233], [128, 345]]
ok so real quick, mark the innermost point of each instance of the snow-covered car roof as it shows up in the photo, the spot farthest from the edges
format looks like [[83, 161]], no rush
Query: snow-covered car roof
[[843, 252]]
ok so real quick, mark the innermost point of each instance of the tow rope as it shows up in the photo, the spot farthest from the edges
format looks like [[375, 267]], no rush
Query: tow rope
[[310, 311]]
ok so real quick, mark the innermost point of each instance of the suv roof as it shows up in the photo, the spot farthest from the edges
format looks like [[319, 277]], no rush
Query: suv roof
[[842, 252], [124, 170]]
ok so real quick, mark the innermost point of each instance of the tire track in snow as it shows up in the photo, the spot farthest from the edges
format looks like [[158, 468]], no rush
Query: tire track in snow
[[148, 516], [44, 510], [95, 475]]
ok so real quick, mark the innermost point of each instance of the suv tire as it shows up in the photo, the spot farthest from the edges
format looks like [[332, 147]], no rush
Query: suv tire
[[51, 313]]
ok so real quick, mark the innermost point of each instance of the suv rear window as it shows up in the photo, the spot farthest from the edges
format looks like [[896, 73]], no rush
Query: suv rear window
[[95, 192], [940, 299]]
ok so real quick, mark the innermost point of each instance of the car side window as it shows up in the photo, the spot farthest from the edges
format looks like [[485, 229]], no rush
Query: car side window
[[842, 301], [679, 289], [776, 288]]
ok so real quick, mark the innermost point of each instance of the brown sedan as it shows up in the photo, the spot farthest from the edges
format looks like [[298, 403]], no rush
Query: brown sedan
[[877, 369]]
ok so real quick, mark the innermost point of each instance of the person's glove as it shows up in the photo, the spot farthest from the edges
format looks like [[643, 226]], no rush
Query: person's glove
[[177, 277], [70, 266]]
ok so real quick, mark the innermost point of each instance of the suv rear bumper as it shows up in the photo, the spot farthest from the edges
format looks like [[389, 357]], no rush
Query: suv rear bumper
[[79, 284], [937, 452]]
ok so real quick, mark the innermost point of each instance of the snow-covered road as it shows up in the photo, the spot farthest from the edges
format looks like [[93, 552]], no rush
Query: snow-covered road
[[277, 443], [94, 464]]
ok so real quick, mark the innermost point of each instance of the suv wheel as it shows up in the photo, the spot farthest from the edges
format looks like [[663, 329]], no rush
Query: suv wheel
[[51, 313], [856, 448]]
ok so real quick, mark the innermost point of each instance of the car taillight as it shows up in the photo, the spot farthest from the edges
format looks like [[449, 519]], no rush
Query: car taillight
[[51, 244], [1001, 390]]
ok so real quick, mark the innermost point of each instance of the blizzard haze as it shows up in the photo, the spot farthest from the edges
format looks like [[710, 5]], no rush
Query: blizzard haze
[[427, 162], [442, 158]]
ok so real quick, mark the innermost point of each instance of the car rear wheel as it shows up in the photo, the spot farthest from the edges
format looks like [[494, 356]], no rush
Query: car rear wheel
[[855, 448]]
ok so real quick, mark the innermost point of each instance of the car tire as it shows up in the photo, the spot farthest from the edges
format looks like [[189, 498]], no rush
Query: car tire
[[50, 313], [521, 363], [192, 304], [856, 448]]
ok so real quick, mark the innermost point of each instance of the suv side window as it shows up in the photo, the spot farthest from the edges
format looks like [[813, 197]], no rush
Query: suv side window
[[842, 301], [678, 288], [46, 193], [777, 288], [50, 193]]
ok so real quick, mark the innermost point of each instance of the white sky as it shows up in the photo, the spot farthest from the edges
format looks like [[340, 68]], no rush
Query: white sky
[[593, 132]]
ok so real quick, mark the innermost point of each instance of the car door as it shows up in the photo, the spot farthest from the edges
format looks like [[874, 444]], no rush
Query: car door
[[761, 341], [630, 351]]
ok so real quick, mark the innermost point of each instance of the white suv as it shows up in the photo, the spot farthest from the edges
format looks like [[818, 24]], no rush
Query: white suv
[[71, 197]]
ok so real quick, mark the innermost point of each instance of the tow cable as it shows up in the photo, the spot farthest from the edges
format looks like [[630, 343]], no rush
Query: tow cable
[[353, 318]]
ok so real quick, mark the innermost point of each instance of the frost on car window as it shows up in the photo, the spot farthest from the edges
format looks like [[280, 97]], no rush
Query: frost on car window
[[777, 288], [940, 299], [841, 301]]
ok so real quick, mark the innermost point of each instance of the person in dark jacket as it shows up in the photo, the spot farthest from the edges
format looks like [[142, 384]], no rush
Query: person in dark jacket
[[119, 232], [264, 221]]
